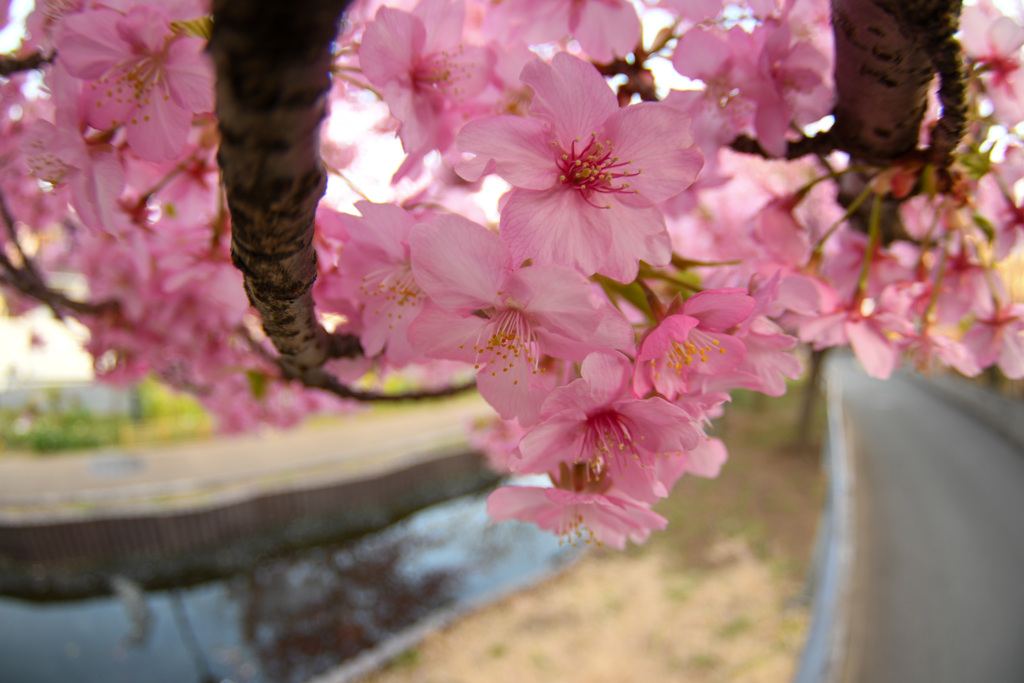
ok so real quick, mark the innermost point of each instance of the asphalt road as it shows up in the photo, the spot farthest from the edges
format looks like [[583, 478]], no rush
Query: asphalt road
[[940, 581]]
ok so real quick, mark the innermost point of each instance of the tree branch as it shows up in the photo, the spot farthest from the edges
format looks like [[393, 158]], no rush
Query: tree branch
[[27, 279], [10, 64], [319, 379], [819, 145], [272, 61], [887, 53]]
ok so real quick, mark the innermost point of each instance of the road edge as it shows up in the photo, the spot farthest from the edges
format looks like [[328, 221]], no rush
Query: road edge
[[827, 647]]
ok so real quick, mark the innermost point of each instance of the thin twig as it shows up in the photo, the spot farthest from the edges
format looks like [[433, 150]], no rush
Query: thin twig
[[9, 222], [27, 279], [821, 144], [10, 64], [319, 378]]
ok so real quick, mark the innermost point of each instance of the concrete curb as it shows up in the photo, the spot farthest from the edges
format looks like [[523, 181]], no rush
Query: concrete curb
[[155, 549], [199, 493], [825, 651]]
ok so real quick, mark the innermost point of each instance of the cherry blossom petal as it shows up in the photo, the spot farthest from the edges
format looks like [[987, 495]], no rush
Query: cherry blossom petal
[[510, 392], [768, 364], [144, 28], [707, 458], [556, 226], [559, 299], [701, 53], [655, 141], [461, 72], [661, 426], [1011, 356], [391, 45], [607, 374], [443, 21], [659, 341], [190, 75], [556, 439], [519, 148], [157, 132], [1005, 36], [873, 349], [637, 234], [90, 44], [438, 333], [720, 309], [459, 264], [95, 190], [382, 228], [607, 29], [572, 94]]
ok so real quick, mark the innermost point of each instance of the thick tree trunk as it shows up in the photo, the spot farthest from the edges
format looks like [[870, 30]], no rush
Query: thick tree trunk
[[272, 61], [886, 54]]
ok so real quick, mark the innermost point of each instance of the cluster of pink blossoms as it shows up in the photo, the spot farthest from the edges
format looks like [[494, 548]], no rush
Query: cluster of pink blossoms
[[633, 273]]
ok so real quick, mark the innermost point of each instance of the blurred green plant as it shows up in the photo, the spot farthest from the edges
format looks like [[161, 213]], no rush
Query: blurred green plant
[[157, 414]]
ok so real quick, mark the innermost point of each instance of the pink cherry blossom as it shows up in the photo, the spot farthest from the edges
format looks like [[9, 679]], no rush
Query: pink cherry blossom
[[605, 29], [496, 439], [57, 153], [931, 350], [1000, 201], [590, 517], [768, 363], [999, 340], [108, 171], [424, 72], [791, 84], [778, 231], [597, 421], [377, 270], [768, 360], [993, 40], [722, 110], [501, 319], [580, 507], [876, 329], [693, 341], [586, 174], [140, 74]]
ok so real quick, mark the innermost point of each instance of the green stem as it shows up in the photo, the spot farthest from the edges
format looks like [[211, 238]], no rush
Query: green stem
[[937, 285], [850, 210], [802, 191], [682, 284], [874, 235], [685, 264]]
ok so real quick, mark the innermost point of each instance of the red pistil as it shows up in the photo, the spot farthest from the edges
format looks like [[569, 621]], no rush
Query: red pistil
[[595, 168]]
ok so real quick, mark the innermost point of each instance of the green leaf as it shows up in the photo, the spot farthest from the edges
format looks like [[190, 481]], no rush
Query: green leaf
[[976, 162], [633, 293], [257, 384], [985, 225]]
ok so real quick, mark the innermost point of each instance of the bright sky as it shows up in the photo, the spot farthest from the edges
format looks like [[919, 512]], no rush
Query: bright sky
[[59, 359], [10, 36]]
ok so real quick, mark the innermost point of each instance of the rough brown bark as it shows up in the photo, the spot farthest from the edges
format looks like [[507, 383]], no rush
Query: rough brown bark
[[886, 55], [272, 62]]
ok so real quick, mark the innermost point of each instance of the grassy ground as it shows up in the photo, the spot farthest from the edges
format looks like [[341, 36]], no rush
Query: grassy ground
[[716, 597]]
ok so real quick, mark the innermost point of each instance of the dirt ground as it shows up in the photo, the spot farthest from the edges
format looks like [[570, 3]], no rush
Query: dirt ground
[[719, 596]]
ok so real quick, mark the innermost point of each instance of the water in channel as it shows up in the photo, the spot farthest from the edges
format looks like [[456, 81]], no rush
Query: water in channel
[[287, 619]]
